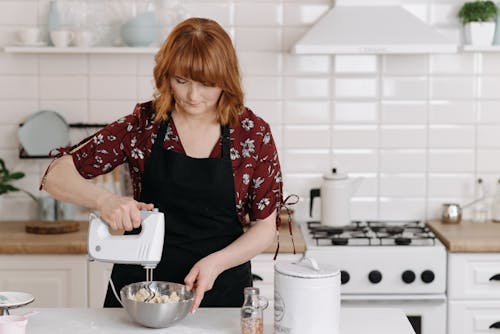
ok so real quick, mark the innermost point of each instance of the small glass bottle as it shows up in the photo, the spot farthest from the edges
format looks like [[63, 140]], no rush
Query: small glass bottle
[[480, 210], [252, 320], [495, 208]]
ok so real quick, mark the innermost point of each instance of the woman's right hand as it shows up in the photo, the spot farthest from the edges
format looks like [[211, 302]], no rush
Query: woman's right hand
[[122, 213]]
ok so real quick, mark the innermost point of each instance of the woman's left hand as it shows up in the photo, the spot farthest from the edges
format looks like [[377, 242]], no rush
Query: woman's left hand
[[201, 277]]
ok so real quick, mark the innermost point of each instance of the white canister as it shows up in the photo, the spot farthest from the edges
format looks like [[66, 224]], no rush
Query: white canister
[[306, 297]]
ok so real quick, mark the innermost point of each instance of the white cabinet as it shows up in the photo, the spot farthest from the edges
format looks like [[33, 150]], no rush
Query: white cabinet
[[473, 293], [263, 271], [73, 281], [54, 280], [99, 273]]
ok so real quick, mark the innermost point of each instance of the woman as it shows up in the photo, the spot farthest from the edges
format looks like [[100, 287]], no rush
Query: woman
[[196, 153]]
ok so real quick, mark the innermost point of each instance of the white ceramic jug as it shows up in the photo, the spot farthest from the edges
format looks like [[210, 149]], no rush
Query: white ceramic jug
[[335, 194]]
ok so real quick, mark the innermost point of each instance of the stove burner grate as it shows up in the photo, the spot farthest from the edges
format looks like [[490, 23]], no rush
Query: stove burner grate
[[376, 233]]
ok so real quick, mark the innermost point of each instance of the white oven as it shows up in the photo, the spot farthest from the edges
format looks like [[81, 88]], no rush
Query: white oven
[[386, 264], [427, 314]]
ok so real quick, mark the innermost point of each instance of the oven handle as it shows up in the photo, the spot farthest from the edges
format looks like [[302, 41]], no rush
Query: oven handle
[[495, 325], [495, 277], [436, 298]]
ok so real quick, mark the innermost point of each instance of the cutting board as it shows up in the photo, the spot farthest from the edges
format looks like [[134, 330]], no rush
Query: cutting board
[[52, 227]]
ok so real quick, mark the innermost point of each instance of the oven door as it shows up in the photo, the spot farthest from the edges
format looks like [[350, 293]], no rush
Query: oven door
[[426, 313]]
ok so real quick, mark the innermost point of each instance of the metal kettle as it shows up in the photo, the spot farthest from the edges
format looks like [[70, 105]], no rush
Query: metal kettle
[[335, 193]]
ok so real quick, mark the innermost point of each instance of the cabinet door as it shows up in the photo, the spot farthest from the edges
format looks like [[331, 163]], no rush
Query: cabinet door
[[99, 273], [54, 280], [473, 276], [473, 317]]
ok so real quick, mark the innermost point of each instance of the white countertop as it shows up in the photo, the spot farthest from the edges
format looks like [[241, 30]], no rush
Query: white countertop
[[205, 320]]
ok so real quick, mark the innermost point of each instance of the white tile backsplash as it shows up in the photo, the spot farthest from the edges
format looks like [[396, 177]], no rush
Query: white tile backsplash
[[488, 111], [355, 64], [419, 128], [297, 137], [296, 14], [403, 161], [103, 64], [451, 136], [19, 13], [355, 112], [452, 112], [306, 88], [455, 161], [452, 64], [404, 88], [258, 14], [18, 64], [355, 160], [258, 39], [19, 87], [307, 112], [260, 63], [403, 112], [452, 87], [354, 136], [112, 87], [488, 87], [402, 185], [306, 64], [404, 64], [409, 136], [449, 185], [355, 87], [63, 64], [262, 87]]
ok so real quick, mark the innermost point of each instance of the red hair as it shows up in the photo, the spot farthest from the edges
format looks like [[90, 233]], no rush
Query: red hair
[[199, 49]]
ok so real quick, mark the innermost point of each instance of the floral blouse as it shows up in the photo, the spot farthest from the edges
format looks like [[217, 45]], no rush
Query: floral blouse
[[256, 168]]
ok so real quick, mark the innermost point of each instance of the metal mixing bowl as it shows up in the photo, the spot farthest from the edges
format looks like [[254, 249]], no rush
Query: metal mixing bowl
[[157, 315]]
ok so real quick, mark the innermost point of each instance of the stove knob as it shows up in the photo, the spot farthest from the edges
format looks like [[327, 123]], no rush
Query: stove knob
[[344, 277], [408, 276], [375, 276], [427, 276]]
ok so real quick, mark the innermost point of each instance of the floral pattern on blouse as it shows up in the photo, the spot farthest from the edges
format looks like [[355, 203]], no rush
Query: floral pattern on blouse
[[254, 158]]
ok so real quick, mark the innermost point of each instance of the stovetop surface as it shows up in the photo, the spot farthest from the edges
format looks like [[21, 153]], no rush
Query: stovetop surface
[[372, 233]]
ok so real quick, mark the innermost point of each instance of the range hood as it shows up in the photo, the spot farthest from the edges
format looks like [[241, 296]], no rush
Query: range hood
[[371, 30]]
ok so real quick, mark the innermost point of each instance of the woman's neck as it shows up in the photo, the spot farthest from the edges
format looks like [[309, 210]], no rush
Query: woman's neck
[[194, 120]]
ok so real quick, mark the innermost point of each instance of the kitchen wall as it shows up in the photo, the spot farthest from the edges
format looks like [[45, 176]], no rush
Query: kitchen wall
[[418, 128]]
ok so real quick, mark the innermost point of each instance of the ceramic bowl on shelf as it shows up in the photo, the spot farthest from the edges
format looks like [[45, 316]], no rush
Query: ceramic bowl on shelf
[[140, 30]]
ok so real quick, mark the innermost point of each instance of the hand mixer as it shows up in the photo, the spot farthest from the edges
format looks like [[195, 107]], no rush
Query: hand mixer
[[144, 248]]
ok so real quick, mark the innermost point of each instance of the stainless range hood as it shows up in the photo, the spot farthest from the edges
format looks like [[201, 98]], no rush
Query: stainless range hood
[[371, 30]]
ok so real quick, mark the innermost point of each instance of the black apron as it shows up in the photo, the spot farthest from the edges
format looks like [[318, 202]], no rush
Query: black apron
[[198, 200]]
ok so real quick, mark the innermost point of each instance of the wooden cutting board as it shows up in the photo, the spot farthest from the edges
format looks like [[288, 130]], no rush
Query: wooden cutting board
[[52, 227]]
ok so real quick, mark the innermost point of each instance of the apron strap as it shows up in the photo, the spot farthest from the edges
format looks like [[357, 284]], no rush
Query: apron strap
[[160, 136], [226, 142]]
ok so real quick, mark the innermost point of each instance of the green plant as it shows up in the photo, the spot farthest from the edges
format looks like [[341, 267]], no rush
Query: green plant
[[478, 11], [6, 177]]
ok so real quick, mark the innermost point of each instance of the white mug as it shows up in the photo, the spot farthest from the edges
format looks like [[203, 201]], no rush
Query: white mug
[[83, 38], [61, 38], [28, 36]]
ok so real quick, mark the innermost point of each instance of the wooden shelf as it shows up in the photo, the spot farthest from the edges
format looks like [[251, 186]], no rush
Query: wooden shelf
[[477, 48], [86, 50]]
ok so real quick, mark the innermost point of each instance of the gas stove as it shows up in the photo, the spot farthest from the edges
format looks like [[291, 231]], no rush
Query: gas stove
[[380, 257], [372, 233], [386, 264]]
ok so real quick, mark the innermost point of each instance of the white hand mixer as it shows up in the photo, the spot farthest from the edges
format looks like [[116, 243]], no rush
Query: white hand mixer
[[144, 248]]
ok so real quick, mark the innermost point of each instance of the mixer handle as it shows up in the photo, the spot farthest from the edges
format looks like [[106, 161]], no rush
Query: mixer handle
[[315, 192]]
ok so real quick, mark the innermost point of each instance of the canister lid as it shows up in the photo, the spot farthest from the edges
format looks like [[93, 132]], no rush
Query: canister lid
[[306, 267]]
